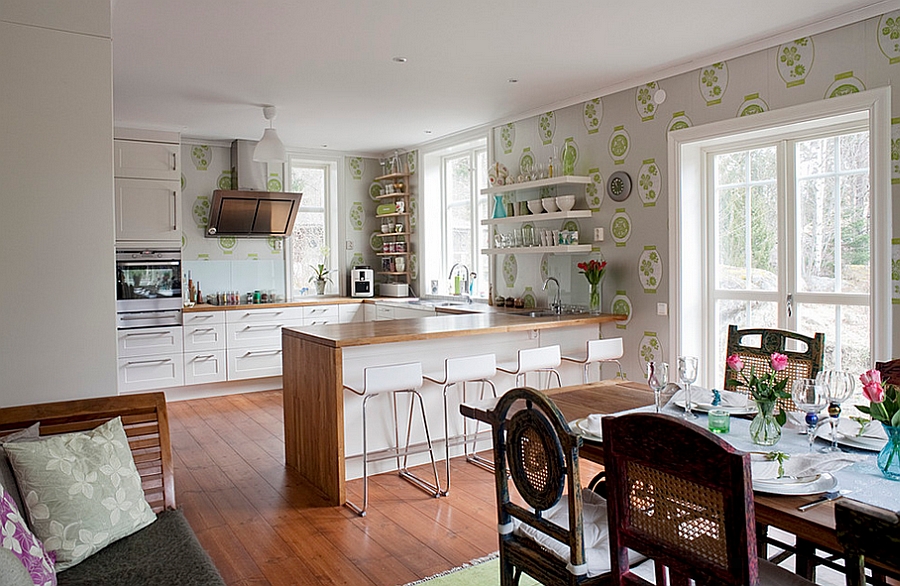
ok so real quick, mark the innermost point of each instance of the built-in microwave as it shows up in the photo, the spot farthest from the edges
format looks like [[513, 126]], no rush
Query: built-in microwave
[[148, 288]]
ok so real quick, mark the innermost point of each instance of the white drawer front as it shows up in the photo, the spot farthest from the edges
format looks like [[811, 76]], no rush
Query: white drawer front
[[351, 312], [204, 337], [203, 317], [151, 372], [383, 312], [317, 312], [204, 367], [269, 315], [244, 335], [253, 363], [149, 341]]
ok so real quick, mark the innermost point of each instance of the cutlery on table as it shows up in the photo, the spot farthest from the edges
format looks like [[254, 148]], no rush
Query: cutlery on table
[[827, 497]]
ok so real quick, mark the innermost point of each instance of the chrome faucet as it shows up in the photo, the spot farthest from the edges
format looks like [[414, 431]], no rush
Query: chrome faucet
[[555, 305], [465, 280]]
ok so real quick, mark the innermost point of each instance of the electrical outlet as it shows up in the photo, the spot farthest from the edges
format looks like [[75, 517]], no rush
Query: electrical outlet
[[598, 234], [349, 245], [662, 309], [279, 244]]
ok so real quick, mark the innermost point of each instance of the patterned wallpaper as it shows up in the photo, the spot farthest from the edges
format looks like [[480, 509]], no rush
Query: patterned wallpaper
[[627, 131]]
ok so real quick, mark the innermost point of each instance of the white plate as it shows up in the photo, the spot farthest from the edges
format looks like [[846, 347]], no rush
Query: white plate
[[869, 444], [577, 427], [795, 487], [749, 409]]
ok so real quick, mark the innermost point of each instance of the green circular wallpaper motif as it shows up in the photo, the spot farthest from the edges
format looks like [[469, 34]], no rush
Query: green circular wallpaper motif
[[545, 267], [649, 183], [200, 211], [273, 244], [592, 115], [375, 242], [274, 183], [643, 101], [357, 216], [679, 121], [225, 181], [895, 153], [546, 127], [621, 305], [569, 156], [376, 189], [411, 161], [201, 155], [526, 161], [357, 259], [571, 226], [510, 270], [508, 137], [413, 213], [619, 145], [650, 348], [413, 267], [752, 104], [844, 84], [593, 191], [227, 243], [795, 61], [889, 36], [620, 227], [183, 182], [357, 167], [529, 298], [650, 269], [713, 82]]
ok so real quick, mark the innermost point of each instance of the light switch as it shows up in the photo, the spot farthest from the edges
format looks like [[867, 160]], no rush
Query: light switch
[[349, 245], [662, 309], [598, 234]]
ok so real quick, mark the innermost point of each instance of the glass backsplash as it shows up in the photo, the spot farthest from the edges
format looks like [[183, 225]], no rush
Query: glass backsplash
[[241, 276]]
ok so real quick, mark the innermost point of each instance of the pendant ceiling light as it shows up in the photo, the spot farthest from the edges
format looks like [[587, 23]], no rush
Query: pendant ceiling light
[[269, 149]]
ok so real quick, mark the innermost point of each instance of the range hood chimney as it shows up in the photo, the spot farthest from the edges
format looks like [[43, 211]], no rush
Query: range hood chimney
[[249, 210]]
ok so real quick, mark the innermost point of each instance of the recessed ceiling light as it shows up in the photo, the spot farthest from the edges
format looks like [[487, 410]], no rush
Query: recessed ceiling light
[[399, 59], [427, 132], [512, 80], [324, 146]]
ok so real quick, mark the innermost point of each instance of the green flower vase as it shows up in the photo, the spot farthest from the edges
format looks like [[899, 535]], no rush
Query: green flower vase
[[764, 429], [889, 456]]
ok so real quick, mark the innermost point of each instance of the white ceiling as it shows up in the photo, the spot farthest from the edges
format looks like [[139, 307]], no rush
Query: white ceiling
[[206, 67]]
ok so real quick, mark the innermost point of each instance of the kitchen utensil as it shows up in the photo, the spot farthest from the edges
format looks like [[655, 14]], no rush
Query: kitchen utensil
[[827, 497]]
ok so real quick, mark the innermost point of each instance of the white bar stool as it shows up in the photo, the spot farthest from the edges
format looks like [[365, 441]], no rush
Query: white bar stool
[[541, 359], [466, 369], [600, 351], [395, 379]]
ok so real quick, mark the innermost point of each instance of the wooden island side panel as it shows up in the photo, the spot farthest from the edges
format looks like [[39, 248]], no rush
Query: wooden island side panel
[[314, 414]]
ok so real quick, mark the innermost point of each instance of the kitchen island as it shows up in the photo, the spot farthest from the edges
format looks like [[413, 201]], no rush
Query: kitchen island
[[323, 431]]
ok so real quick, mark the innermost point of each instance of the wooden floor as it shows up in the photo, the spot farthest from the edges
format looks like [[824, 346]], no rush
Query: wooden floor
[[262, 524]]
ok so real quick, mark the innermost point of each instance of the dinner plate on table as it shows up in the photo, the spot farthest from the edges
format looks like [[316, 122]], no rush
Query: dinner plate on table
[[748, 409], [846, 436], [577, 426], [816, 484]]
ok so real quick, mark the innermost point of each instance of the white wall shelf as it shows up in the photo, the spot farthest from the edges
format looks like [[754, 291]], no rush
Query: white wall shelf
[[538, 183], [538, 217], [564, 249]]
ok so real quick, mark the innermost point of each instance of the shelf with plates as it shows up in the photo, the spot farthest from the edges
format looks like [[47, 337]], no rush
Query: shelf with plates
[[394, 234], [538, 217], [561, 249], [538, 183]]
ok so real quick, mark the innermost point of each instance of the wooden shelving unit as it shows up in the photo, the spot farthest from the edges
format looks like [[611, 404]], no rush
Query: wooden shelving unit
[[396, 244]]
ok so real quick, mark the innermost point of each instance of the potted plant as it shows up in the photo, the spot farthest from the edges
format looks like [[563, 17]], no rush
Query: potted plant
[[765, 429], [884, 407], [320, 273]]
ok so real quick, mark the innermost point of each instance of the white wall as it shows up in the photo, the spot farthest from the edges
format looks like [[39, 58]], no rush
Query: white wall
[[57, 265]]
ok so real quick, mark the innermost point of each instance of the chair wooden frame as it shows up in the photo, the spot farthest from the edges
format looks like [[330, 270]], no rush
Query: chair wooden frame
[[693, 515], [866, 533], [146, 424], [527, 423], [801, 364], [890, 371]]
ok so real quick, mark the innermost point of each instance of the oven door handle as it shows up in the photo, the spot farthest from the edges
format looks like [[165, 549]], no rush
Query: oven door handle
[[134, 315], [150, 263]]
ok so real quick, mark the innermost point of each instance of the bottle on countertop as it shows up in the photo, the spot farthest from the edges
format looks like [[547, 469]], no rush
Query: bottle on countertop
[[199, 294]]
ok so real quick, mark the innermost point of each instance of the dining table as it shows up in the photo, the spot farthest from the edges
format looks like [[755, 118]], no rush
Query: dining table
[[861, 480]]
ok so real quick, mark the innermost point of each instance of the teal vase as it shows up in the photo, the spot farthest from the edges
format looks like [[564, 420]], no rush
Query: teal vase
[[499, 208], [889, 456]]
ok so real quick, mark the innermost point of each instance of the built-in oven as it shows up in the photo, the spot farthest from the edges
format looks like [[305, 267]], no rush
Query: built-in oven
[[148, 288]]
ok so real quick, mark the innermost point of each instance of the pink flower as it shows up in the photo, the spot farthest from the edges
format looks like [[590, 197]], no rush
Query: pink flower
[[870, 376], [779, 362], [734, 362], [872, 389]]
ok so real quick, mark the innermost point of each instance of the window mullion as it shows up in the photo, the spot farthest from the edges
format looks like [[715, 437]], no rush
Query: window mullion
[[788, 231]]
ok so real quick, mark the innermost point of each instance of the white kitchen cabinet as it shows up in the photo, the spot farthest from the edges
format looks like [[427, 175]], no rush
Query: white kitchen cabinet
[[370, 312], [204, 331], [317, 315], [148, 211], [147, 160], [253, 340], [205, 367], [141, 373], [383, 312], [244, 363], [352, 313], [149, 341]]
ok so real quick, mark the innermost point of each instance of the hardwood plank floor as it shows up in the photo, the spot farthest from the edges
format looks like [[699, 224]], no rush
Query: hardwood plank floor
[[263, 524]]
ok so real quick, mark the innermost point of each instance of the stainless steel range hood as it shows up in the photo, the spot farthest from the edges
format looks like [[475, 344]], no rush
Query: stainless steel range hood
[[250, 210]]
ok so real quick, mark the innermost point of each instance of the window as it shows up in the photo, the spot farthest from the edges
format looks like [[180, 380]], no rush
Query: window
[[788, 215], [311, 241], [453, 208]]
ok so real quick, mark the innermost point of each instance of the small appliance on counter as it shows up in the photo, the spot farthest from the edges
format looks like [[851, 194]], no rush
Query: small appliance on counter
[[362, 281], [393, 290]]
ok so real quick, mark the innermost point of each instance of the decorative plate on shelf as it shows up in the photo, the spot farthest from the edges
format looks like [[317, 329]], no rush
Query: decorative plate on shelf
[[618, 187]]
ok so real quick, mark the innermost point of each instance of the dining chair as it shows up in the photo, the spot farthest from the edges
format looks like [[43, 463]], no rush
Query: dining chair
[[559, 535], [866, 533], [755, 347], [890, 371], [682, 496]]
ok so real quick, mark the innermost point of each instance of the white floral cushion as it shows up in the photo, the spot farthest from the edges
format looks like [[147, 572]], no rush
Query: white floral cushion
[[81, 490], [17, 538]]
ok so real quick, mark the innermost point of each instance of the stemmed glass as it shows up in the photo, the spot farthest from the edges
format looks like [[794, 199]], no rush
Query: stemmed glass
[[687, 372], [810, 397], [838, 387], [657, 379]]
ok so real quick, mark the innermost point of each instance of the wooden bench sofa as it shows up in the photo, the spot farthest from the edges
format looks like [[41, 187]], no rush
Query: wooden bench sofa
[[164, 553]]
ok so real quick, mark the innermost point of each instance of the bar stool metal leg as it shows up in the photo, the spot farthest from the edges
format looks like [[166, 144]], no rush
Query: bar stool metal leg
[[434, 489]]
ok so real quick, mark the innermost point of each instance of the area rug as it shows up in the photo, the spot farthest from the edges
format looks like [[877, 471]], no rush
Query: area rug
[[481, 572]]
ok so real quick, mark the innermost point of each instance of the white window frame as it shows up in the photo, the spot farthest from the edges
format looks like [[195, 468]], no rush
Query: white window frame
[[687, 157], [333, 201]]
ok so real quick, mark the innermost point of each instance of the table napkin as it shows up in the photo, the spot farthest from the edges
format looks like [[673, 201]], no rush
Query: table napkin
[[704, 396], [592, 423], [850, 428], [801, 465]]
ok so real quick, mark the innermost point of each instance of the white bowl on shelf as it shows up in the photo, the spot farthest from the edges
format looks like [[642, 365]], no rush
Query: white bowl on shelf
[[549, 204], [535, 206], [565, 202]]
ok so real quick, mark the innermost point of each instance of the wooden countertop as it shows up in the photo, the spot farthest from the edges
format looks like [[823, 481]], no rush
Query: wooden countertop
[[441, 326]]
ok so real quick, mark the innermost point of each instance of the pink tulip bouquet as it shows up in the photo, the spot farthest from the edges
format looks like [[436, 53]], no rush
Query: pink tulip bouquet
[[884, 400], [765, 388]]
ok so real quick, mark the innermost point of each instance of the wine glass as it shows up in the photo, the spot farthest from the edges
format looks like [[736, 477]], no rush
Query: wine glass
[[687, 372], [810, 397], [657, 379], [838, 388]]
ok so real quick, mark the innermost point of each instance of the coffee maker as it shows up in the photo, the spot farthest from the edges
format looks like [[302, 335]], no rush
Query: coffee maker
[[362, 281]]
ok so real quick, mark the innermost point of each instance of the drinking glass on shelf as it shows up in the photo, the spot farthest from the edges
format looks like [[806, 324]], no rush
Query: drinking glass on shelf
[[810, 397], [657, 379], [838, 388], [687, 372]]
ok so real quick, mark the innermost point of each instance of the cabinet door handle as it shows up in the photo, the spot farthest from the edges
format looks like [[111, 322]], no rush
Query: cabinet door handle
[[264, 327], [174, 210], [199, 330], [203, 357], [174, 161], [251, 353], [248, 314], [157, 361], [157, 334]]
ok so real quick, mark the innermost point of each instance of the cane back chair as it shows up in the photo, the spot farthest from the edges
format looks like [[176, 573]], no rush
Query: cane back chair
[[867, 533], [682, 496], [805, 362], [534, 446], [890, 371]]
